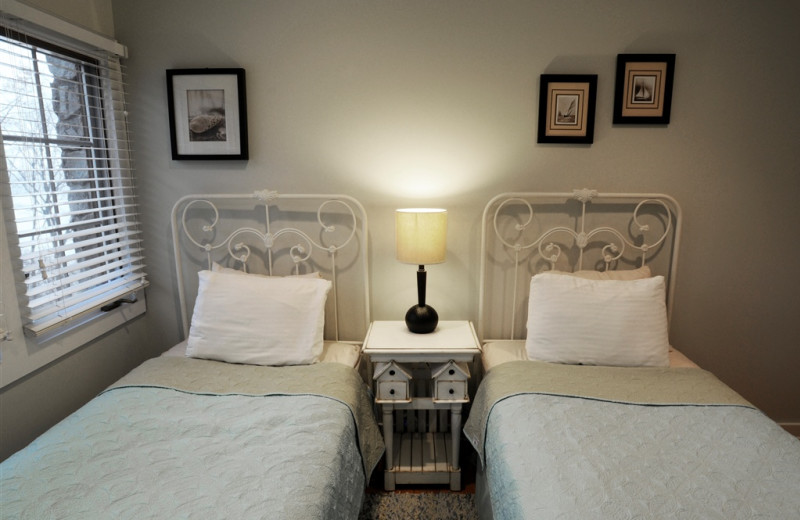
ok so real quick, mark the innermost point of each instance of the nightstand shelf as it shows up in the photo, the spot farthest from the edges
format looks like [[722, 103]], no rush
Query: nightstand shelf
[[421, 385], [423, 458]]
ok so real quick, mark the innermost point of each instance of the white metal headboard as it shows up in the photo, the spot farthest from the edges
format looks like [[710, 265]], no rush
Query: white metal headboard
[[526, 233], [266, 232]]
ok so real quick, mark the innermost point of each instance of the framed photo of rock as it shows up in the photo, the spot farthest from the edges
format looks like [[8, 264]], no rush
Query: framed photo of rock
[[207, 113]]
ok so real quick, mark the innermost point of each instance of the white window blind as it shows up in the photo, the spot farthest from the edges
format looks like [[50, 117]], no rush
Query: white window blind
[[69, 178]]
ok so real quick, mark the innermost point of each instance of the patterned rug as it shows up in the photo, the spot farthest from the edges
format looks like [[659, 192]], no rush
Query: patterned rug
[[423, 505]]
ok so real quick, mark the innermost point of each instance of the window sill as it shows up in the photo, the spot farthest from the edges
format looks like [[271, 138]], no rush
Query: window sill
[[22, 355]]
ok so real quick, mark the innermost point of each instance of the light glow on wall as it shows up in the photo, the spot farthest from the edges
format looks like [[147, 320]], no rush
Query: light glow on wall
[[429, 172], [417, 153]]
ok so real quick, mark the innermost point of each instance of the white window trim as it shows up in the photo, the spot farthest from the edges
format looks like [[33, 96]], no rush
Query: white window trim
[[62, 28]]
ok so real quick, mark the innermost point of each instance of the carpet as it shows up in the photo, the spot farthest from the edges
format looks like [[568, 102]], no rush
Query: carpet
[[421, 501], [392, 505]]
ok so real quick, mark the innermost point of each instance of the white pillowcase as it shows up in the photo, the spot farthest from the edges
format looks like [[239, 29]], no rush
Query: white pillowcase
[[258, 320], [597, 322]]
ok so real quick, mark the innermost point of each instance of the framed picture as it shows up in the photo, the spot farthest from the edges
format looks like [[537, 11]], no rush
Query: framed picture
[[643, 91], [207, 113], [566, 108]]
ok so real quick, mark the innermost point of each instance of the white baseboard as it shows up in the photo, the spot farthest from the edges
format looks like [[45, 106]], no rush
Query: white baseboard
[[793, 428]]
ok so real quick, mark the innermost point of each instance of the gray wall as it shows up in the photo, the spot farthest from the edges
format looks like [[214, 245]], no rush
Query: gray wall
[[435, 103]]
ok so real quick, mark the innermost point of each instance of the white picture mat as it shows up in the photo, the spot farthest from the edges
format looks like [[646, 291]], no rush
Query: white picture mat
[[226, 82]]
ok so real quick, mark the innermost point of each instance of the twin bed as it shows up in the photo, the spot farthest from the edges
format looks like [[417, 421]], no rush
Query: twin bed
[[261, 412], [584, 410]]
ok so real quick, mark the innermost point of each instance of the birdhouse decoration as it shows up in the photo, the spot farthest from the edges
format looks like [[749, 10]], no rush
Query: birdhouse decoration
[[450, 382], [392, 382]]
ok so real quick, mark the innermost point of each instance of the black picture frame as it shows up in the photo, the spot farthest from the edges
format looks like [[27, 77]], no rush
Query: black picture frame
[[643, 90], [566, 108], [207, 114]]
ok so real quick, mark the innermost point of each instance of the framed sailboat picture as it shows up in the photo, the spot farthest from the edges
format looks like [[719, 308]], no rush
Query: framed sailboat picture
[[643, 92], [566, 108]]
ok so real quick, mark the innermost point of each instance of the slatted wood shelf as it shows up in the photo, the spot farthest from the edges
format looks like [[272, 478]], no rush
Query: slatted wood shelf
[[423, 458]]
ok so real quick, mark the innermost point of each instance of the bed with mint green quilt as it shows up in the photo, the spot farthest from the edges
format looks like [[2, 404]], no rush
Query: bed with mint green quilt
[[188, 438], [580, 442]]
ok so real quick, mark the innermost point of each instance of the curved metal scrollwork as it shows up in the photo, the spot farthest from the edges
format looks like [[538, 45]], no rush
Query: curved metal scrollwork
[[551, 251], [238, 249], [519, 227], [552, 244], [330, 229]]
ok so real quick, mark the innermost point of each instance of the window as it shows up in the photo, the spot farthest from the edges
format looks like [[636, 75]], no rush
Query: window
[[70, 201]]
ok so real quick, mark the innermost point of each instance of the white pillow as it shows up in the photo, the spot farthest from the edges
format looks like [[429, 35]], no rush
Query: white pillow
[[258, 320], [597, 322]]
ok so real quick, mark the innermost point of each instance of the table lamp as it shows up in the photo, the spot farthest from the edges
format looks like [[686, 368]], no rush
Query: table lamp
[[422, 240]]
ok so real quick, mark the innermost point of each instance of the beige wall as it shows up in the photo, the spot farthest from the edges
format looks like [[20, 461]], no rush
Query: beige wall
[[435, 102]]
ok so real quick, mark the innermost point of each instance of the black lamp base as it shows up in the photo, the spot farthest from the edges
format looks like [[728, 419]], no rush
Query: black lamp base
[[421, 319]]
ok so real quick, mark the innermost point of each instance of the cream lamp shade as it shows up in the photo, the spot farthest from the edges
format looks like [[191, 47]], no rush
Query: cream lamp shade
[[421, 235]]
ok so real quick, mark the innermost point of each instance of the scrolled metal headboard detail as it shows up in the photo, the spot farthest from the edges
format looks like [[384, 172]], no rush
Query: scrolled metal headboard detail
[[525, 233], [237, 242]]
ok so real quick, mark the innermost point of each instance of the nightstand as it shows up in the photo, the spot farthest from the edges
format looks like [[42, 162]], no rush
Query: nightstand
[[421, 384]]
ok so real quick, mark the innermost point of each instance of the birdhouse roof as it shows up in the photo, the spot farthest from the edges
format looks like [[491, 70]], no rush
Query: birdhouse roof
[[382, 368], [462, 370]]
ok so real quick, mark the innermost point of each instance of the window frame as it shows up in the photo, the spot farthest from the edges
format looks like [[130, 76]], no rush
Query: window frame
[[21, 353]]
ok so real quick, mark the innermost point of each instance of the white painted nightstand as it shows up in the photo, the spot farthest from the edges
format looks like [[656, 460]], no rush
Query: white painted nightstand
[[421, 384]]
